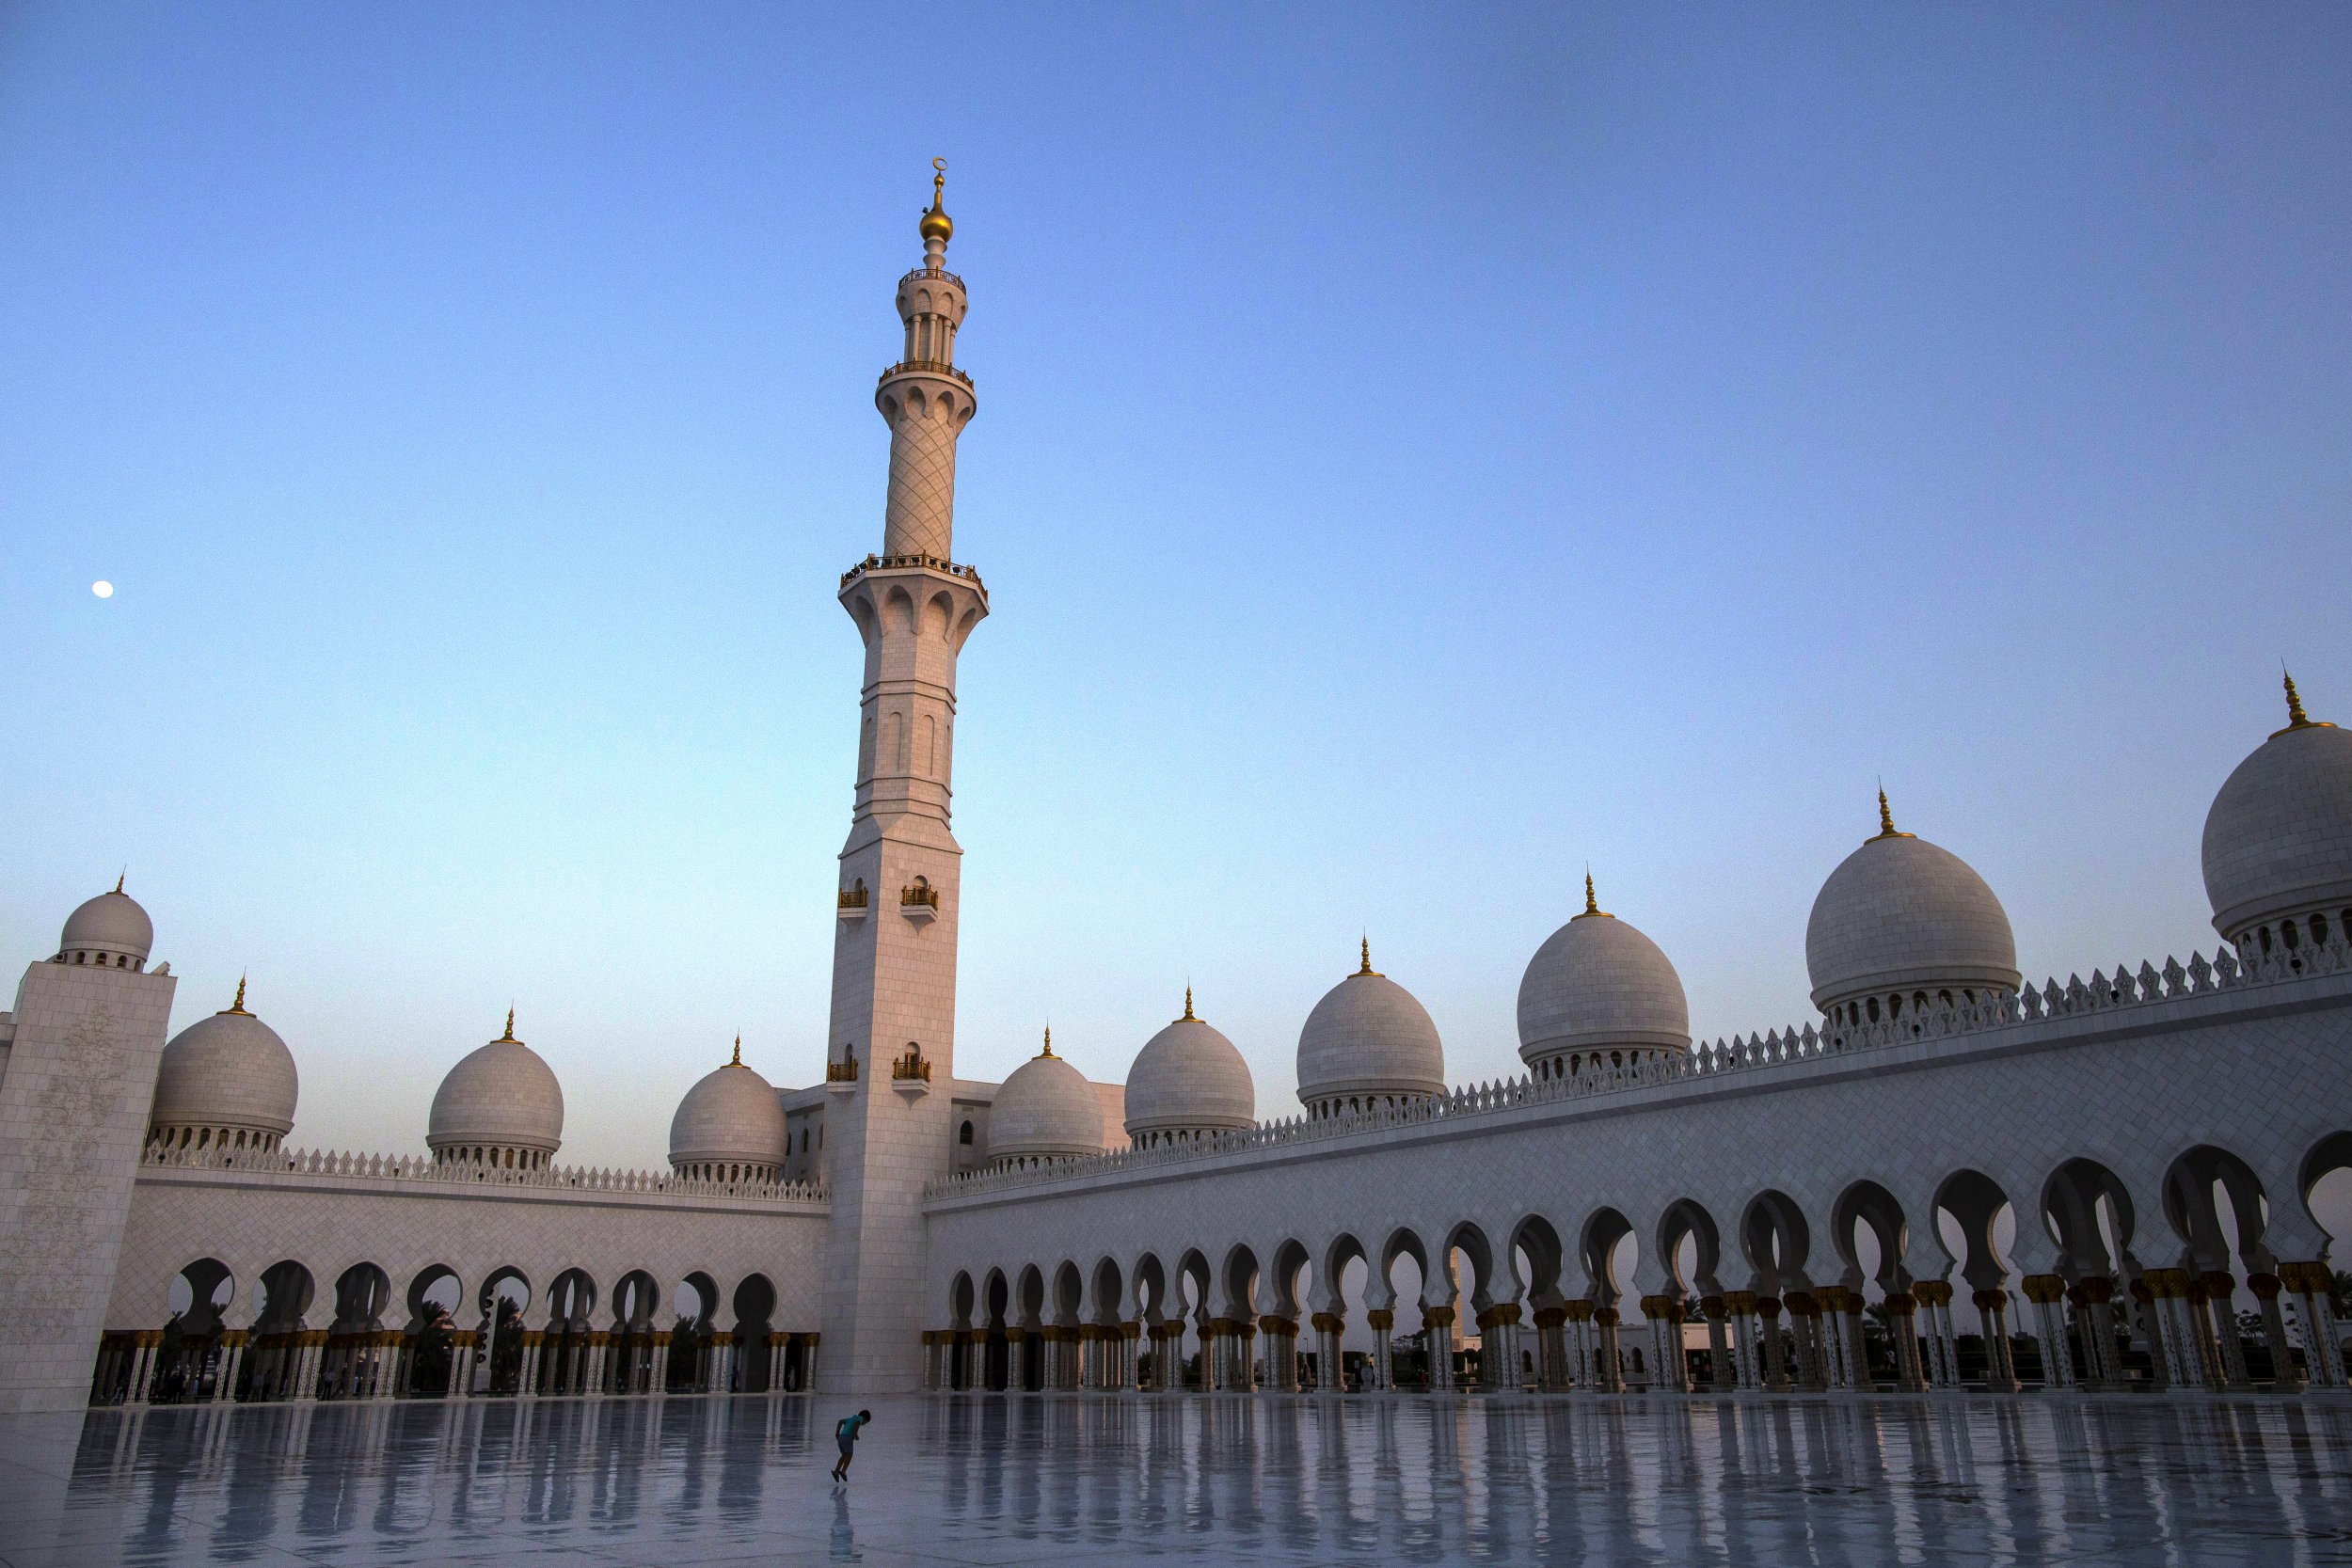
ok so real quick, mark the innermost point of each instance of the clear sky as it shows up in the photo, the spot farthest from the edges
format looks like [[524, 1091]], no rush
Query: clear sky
[[1419, 453]]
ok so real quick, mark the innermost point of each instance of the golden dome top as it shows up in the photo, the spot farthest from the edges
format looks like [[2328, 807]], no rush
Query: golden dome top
[[936, 224]]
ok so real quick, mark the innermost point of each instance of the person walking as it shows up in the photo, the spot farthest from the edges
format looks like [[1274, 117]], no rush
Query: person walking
[[846, 1435]]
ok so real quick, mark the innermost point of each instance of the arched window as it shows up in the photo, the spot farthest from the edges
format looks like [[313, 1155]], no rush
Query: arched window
[[964, 1133]]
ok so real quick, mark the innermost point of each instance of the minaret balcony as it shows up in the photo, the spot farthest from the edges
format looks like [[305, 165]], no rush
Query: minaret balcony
[[919, 904], [853, 902], [926, 562], [911, 1074], [841, 1076], [926, 367]]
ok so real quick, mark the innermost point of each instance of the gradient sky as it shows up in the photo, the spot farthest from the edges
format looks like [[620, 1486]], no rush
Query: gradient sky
[[1418, 455]]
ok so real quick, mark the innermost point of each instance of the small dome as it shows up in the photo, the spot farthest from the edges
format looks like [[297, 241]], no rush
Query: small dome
[[1900, 914], [1188, 1078], [1045, 1110], [223, 1076], [731, 1116], [1369, 1039], [2279, 838], [501, 1100], [1598, 984], [106, 928]]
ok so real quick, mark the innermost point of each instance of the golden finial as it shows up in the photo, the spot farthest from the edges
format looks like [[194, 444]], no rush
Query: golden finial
[[739, 1050], [1187, 1018], [1049, 1041], [936, 224], [510, 1025], [1592, 905], [126, 870], [1367, 968], [1886, 819], [2296, 718], [238, 1006]]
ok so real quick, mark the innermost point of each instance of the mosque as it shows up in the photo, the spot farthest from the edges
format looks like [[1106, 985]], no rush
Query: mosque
[[2100, 1174]]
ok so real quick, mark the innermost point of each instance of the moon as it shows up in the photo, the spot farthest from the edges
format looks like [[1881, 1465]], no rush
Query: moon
[[104, 589]]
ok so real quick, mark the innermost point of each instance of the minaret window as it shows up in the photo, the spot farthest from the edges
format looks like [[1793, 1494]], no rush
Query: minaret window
[[964, 1133]]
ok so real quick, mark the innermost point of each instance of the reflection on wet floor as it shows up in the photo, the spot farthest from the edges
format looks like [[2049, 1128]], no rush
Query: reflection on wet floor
[[984, 1478]]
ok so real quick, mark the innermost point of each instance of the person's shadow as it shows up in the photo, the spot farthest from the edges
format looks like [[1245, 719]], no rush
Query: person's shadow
[[844, 1538]]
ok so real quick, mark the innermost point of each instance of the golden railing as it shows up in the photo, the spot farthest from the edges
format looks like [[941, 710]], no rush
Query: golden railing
[[910, 897], [844, 1071]]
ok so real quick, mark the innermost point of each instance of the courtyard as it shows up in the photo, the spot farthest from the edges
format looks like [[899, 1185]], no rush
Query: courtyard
[[1086, 1478]]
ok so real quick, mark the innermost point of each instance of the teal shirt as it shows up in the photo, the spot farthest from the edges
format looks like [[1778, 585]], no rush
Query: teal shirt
[[847, 1432]]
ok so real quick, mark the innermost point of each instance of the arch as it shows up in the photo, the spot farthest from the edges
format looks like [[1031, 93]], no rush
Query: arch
[[2089, 1213], [362, 1293], [503, 1299], [1868, 1204], [1284, 1298], [1108, 1292], [1534, 1241], [1975, 1201], [1239, 1278], [962, 1298], [1597, 1246], [754, 1305], [287, 1291], [1069, 1297], [1028, 1298], [1777, 1240], [208, 1288], [1687, 1220], [1151, 1285], [2190, 1186], [435, 1295], [1468, 1242]]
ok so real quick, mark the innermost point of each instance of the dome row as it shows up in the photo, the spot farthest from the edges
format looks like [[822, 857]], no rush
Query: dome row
[[1899, 923]]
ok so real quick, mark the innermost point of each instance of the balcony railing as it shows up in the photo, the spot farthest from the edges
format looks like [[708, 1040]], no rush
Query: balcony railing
[[933, 366], [853, 897], [910, 1067], [910, 897], [932, 562], [843, 1071]]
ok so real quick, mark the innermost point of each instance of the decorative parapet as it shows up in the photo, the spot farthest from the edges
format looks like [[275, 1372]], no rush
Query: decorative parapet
[[1711, 1062], [425, 1168]]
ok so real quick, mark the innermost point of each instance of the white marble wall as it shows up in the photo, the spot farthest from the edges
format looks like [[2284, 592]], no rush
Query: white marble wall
[[81, 1074]]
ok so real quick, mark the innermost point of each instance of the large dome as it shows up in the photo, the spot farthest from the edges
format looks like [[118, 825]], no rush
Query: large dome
[[109, 929], [1598, 984], [500, 1105], [730, 1118], [1045, 1110], [1188, 1079], [1901, 916], [2279, 838], [1368, 1042], [227, 1079]]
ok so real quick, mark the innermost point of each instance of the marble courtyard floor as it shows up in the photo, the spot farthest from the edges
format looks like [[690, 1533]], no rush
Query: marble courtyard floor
[[1086, 1478]]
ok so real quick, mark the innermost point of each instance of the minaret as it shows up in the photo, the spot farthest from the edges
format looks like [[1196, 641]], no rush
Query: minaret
[[894, 962]]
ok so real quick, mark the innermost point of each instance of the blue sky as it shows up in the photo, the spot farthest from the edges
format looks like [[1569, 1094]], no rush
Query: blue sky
[[1416, 457]]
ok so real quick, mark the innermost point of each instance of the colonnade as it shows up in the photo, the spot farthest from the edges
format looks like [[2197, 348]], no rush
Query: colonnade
[[239, 1366]]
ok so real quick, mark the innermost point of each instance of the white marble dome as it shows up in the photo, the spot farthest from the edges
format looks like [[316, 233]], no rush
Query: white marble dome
[[730, 1118], [500, 1105], [1368, 1043], [1188, 1079], [1901, 916], [1599, 985], [227, 1080], [109, 929], [1045, 1110], [2279, 838]]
